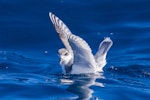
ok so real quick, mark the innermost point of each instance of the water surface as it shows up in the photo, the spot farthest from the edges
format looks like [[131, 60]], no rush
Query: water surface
[[29, 65]]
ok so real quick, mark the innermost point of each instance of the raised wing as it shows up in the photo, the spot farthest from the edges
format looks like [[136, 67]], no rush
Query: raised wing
[[83, 57], [62, 30], [100, 56]]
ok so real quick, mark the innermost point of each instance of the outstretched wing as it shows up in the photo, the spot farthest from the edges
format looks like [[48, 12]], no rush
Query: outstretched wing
[[100, 56], [62, 30], [83, 57]]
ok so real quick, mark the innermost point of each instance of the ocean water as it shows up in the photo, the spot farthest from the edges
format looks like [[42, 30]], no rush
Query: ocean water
[[29, 65]]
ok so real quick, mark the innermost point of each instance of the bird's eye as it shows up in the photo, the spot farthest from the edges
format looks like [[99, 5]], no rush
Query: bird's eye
[[66, 54]]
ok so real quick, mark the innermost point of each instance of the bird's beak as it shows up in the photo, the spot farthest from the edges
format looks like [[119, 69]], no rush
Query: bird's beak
[[61, 60]]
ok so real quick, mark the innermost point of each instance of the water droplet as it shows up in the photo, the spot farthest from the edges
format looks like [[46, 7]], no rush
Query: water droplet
[[45, 52], [112, 67], [111, 33]]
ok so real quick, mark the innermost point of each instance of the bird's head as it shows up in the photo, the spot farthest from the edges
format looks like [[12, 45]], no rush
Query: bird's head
[[65, 56]]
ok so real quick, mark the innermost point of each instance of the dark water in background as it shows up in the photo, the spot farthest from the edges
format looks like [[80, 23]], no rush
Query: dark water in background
[[27, 72]]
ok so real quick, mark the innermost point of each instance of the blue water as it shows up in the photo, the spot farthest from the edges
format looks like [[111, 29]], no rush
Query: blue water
[[29, 65]]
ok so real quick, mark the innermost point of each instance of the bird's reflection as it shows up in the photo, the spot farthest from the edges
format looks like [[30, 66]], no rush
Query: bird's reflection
[[80, 85]]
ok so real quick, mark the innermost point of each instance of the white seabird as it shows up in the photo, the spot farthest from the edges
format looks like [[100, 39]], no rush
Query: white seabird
[[77, 57]]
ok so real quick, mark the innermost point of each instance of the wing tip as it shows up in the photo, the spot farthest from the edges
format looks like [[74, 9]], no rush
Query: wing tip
[[107, 39], [51, 15]]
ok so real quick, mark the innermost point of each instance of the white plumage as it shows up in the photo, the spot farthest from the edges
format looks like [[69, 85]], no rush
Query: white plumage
[[77, 57]]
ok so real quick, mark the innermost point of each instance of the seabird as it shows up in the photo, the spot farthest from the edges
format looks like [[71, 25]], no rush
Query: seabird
[[77, 57]]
